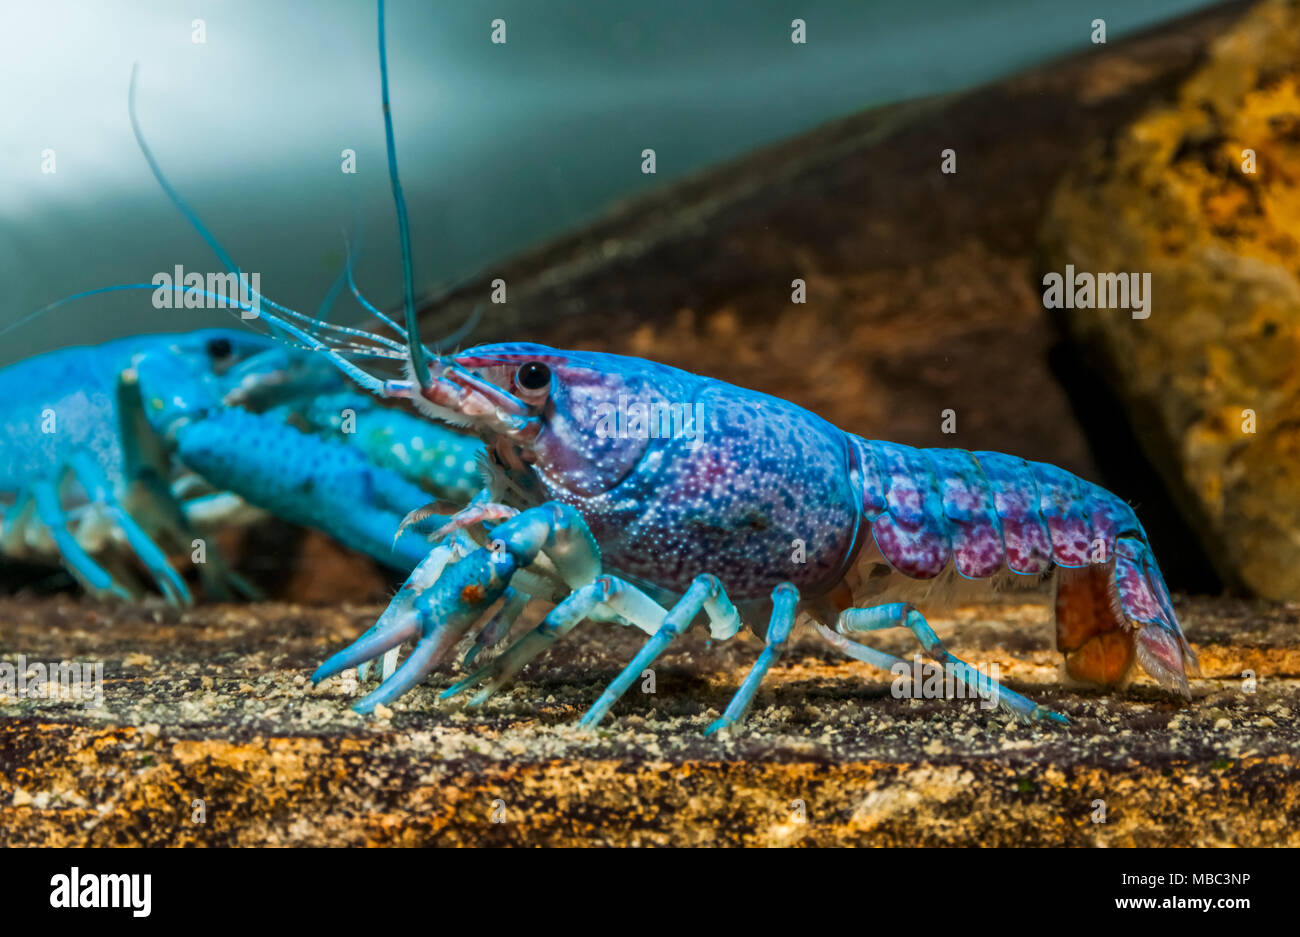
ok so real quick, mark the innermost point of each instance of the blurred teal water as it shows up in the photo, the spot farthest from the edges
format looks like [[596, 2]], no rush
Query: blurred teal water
[[501, 146]]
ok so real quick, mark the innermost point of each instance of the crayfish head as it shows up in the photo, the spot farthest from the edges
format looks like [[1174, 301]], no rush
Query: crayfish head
[[208, 353], [223, 366], [570, 416]]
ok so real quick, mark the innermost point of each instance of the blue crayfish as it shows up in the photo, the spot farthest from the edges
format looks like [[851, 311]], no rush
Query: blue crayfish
[[760, 508], [119, 455], [765, 510]]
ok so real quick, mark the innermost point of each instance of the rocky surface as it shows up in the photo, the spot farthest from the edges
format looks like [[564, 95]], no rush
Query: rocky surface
[[214, 705], [1211, 377]]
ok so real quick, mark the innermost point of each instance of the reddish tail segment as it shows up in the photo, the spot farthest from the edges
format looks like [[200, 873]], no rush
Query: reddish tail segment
[[985, 512]]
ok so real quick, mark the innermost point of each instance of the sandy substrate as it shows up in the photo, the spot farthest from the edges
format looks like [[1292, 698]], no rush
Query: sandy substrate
[[214, 705]]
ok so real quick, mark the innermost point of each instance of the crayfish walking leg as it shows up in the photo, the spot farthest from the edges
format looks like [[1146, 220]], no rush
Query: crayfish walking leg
[[903, 614]]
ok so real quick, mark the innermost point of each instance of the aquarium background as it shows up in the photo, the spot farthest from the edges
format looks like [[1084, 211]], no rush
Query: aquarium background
[[500, 147]]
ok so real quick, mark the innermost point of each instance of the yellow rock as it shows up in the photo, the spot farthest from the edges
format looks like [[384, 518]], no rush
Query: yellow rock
[[1204, 194]]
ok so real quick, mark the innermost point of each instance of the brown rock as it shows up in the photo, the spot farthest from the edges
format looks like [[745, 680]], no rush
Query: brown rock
[[1168, 195]]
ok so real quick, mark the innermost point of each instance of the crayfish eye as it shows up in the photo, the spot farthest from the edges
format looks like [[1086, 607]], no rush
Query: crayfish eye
[[219, 349], [533, 376]]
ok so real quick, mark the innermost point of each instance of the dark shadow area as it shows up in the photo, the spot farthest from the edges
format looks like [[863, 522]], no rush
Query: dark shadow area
[[1125, 470]]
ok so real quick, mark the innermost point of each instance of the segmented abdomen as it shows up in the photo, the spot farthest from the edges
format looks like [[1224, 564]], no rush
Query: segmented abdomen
[[983, 509]]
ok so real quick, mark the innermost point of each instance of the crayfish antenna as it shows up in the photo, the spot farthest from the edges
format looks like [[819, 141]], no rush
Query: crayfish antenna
[[419, 364]]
